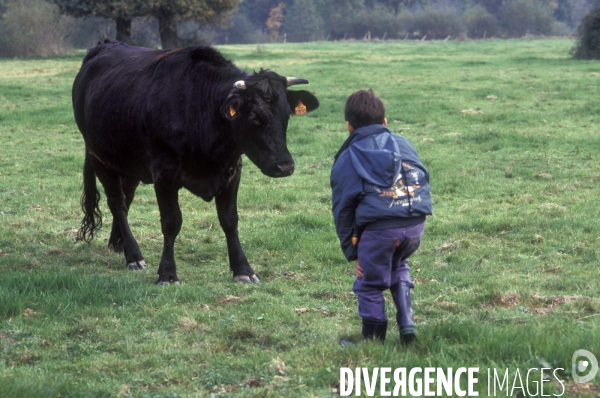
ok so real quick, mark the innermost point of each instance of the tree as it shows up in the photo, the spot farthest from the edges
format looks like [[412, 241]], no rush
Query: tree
[[493, 6], [275, 21], [169, 12], [520, 17], [336, 15], [572, 12], [479, 22], [121, 11], [303, 22], [395, 5], [33, 28], [258, 11], [588, 43]]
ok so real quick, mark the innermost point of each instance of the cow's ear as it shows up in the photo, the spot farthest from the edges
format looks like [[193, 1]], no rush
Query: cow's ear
[[231, 108], [301, 101]]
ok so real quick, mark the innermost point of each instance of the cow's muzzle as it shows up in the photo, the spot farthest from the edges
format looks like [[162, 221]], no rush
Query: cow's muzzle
[[281, 170]]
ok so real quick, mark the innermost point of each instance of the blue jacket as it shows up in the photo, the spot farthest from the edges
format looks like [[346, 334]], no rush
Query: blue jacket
[[377, 182]]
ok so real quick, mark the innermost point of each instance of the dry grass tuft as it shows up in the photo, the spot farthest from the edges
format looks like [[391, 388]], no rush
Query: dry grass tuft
[[230, 299], [29, 313], [188, 324], [471, 112]]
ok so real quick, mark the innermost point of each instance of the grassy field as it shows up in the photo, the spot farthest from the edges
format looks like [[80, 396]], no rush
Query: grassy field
[[508, 275]]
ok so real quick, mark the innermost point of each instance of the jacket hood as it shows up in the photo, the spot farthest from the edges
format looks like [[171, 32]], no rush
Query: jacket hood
[[376, 155]]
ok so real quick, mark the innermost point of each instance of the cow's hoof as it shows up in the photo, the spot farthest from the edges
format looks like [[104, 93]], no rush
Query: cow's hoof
[[137, 265], [246, 279], [167, 283]]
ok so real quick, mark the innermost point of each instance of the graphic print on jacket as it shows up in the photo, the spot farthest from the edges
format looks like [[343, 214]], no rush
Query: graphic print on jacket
[[400, 193]]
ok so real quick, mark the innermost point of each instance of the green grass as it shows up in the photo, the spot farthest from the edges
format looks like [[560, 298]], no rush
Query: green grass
[[508, 272]]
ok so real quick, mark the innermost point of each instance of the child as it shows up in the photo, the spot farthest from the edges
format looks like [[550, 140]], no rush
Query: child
[[380, 195]]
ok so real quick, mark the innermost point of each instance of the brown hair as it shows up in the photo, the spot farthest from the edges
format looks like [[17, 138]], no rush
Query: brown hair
[[363, 108]]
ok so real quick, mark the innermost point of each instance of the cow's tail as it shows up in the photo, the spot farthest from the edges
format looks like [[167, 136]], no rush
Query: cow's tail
[[90, 198]]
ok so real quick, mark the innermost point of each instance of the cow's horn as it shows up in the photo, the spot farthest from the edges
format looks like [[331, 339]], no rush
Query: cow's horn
[[240, 84], [296, 80]]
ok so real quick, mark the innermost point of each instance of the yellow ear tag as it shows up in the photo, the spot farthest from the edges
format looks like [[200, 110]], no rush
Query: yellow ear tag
[[300, 109], [232, 111]]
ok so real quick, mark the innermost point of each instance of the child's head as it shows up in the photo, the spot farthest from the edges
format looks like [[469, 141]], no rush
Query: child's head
[[363, 108]]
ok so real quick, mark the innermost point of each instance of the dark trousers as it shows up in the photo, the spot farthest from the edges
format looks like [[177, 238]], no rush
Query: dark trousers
[[383, 258]]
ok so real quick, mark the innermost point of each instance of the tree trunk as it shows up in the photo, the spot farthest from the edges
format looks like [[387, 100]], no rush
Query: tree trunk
[[124, 30], [167, 27]]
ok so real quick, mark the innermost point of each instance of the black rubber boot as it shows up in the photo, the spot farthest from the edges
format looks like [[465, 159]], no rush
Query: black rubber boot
[[404, 316], [374, 330]]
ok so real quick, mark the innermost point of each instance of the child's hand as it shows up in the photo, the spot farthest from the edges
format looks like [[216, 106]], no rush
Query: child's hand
[[359, 273]]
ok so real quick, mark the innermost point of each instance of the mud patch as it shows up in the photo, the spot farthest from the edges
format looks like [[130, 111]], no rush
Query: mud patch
[[536, 304], [252, 383], [581, 389]]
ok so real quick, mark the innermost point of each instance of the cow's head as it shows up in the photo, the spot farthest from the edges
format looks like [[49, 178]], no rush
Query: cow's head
[[259, 108]]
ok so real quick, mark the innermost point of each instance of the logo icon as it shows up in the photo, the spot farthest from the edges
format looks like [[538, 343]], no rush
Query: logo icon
[[580, 366]]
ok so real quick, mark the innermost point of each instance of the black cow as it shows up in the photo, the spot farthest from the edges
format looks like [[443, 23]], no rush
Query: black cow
[[177, 119]]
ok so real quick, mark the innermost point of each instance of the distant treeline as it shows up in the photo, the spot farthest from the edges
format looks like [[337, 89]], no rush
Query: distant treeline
[[40, 27], [307, 20]]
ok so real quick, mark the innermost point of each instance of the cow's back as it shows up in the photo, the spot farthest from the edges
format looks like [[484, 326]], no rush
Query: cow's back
[[134, 105], [112, 76], [108, 97]]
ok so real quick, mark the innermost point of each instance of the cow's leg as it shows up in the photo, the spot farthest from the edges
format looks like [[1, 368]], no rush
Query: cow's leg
[[116, 237], [226, 203], [170, 220], [117, 190]]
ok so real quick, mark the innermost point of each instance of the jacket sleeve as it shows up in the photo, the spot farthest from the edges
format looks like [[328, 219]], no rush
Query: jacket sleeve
[[346, 188]]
